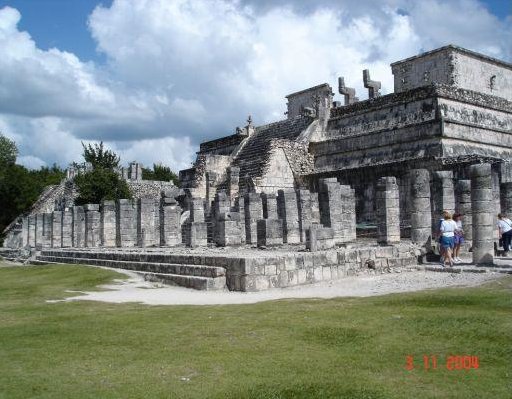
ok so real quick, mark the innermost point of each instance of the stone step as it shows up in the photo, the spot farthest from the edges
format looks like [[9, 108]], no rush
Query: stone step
[[195, 282], [136, 256], [151, 267], [467, 269]]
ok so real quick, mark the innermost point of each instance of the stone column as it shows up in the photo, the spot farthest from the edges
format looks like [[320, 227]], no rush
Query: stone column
[[108, 224], [388, 211], [67, 229], [305, 212], [421, 212], [463, 206], [482, 208], [170, 228], [148, 223], [330, 204], [32, 231], [233, 181], [78, 227], [240, 209], [270, 232], [197, 230], [227, 229], [348, 212], [57, 229], [315, 208], [39, 230], [269, 202], [126, 223], [253, 212], [506, 199], [47, 230], [92, 225], [288, 212], [210, 178], [443, 196], [24, 232]]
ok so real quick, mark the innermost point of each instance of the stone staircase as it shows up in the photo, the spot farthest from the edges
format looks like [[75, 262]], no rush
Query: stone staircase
[[253, 157], [11, 254], [172, 269], [501, 265]]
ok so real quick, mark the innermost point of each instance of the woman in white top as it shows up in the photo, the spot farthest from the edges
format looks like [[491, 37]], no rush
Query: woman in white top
[[505, 232], [447, 241]]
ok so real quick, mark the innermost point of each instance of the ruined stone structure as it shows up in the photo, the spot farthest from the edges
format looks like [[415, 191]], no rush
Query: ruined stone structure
[[303, 188]]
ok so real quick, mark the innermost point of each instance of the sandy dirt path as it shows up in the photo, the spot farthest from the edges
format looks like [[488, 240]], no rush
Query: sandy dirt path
[[135, 289]]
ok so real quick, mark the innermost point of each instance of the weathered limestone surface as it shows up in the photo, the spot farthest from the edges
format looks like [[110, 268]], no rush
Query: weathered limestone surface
[[421, 219], [78, 227], [228, 230], [108, 224], [148, 222], [482, 213], [196, 227], [305, 210], [233, 173], [253, 212], [67, 229], [56, 229], [269, 203], [319, 238], [288, 212], [24, 232], [388, 211], [443, 196], [92, 226], [506, 198], [270, 232], [463, 206], [348, 212], [39, 230], [329, 199], [126, 223], [47, 229], [240, 209], [170, 228]]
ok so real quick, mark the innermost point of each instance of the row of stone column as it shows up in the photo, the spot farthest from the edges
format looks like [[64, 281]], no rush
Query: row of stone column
[[122, 223], [472, 198], [270, 219]]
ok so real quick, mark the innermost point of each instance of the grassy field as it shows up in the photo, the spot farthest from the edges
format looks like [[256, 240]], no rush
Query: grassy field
[[338, 348]]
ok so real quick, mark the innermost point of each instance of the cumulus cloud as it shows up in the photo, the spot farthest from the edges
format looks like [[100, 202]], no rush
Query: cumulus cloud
[[179, 72]]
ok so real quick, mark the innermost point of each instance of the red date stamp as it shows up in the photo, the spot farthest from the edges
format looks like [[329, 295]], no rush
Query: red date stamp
[[431, 362]]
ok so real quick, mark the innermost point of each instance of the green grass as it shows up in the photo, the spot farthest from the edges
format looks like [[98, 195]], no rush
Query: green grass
[[338, 348]]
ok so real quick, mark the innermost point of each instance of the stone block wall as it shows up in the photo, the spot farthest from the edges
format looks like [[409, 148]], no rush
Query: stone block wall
[[285, 270]]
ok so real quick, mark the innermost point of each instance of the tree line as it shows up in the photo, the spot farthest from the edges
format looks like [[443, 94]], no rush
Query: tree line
[[20, 187]]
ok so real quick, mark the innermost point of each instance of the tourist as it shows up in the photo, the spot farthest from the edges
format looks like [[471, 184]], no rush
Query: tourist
[[447, 232], [505, 232], [439, 235], [458, 237]]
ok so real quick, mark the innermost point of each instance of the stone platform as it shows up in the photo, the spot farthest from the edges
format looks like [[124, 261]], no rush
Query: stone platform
[[243, 268]]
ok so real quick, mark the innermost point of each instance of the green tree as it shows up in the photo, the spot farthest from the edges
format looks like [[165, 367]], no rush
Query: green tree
[[100, 157], [100, 184], [21, 187], [161, 173], [8, 151]]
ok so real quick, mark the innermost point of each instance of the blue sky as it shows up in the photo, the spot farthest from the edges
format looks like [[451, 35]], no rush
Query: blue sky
[[153, 78]]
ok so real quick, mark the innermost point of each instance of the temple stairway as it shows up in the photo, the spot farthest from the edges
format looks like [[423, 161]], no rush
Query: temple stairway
[[185, 271]]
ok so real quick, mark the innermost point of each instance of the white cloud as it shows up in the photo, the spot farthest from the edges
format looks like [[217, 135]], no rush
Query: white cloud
[[181, 71]]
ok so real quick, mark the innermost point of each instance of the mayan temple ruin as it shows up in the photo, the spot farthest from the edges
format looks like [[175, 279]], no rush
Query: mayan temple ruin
[[334, 189]]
